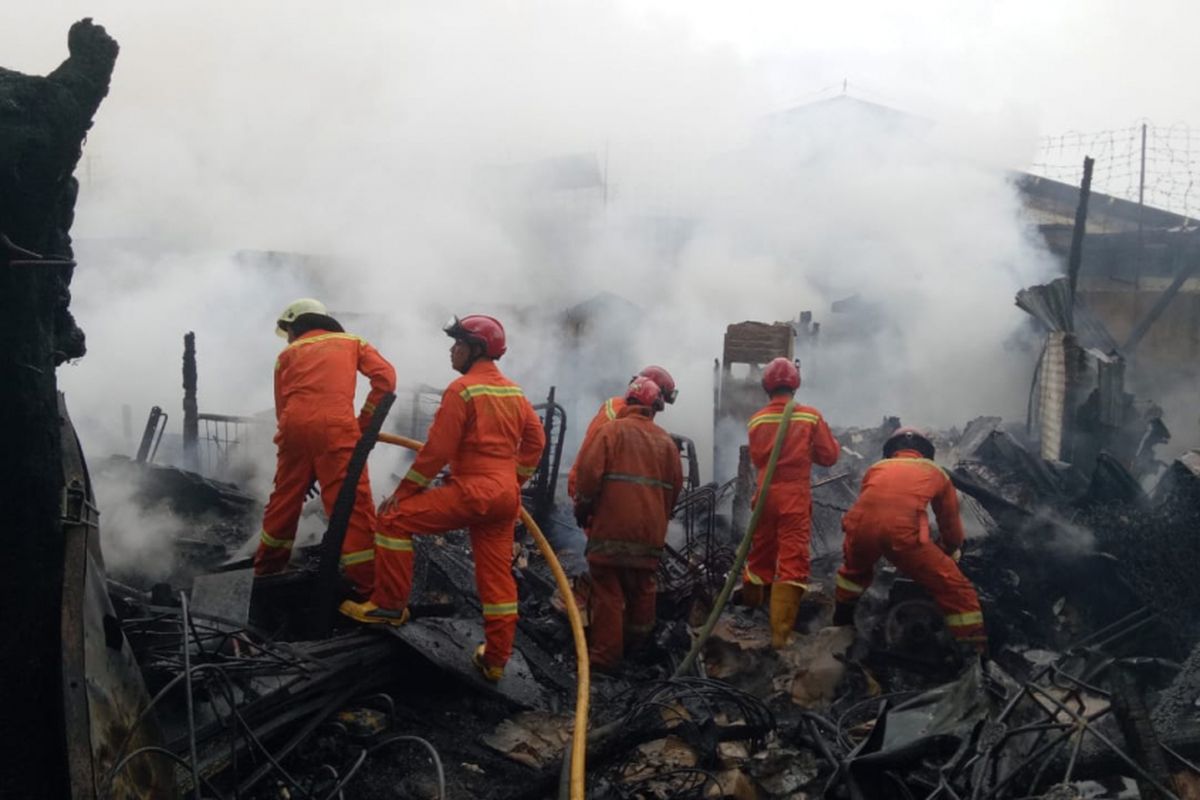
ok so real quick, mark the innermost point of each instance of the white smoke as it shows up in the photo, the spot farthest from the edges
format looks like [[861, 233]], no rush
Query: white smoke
[[138, 542], [399, 146]]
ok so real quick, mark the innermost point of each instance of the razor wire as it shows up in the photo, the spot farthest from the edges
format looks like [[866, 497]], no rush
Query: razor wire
[[1172, 163]]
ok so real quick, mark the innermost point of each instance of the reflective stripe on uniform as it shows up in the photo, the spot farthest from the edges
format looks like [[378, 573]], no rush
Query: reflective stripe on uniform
[[751, 578], [639, 628], [500, 609], [616, 547], [368, 408], [416, 477], [640, 479], [325, 337], [964, 620], [849, 585], [271, 541], [357, 557], [525, 472], [798, 584], [393, 543], [797, 416], [918, 462], [491, 391], [609, 411]]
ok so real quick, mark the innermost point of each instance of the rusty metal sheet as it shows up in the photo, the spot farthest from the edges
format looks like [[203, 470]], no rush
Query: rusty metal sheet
[[103, 691]]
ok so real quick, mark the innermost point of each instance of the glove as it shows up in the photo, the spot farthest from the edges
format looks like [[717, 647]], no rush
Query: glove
[[956, 554], [388, 503], [583, 514]]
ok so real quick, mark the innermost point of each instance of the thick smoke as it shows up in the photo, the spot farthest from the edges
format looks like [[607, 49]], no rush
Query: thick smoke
[[455, 157]]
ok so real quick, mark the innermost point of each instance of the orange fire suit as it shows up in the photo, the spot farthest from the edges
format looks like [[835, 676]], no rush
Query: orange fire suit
[[889, 520], [780, 550], [492, 438], [630, 476], [315, 379], [609, 410]]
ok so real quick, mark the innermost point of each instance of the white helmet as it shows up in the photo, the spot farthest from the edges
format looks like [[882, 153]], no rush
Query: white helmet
[[305, 305]]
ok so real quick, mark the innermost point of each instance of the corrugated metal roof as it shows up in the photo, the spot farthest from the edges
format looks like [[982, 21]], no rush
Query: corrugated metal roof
[[1050, 304]]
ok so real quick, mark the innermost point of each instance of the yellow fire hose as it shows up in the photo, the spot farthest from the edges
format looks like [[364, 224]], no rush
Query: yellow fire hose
[[583, 687]]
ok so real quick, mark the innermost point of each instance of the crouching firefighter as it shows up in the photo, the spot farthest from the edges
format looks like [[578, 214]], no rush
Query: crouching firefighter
[[315, 379], [889, 521], [628, 479], [779, 555], [492, 439]]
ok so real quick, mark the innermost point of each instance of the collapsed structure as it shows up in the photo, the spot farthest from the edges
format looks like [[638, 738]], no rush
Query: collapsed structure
[[208, 683]]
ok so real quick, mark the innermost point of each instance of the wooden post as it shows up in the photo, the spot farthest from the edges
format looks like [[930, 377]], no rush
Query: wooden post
[[327, 596], [191, 410], [1075, 257]]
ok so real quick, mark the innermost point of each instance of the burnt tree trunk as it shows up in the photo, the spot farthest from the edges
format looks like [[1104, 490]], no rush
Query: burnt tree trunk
[[43, 121]]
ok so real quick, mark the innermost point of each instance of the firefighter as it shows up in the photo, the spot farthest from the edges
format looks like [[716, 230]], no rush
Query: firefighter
[[779, 555], [628, 481], [492, 439], [611, 407], [889, 520], [315, 379]]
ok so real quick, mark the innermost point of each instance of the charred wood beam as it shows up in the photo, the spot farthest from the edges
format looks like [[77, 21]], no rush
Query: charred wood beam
[[1160, 305], [1133, 718], [1075, 257], [43, 121], [191, 411], [327, 591]]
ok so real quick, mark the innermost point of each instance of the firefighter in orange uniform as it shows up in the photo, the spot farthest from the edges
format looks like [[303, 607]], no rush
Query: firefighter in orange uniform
[[315, 379], [889, 521], [492, 439], [611, 407], [779, 554], [628, 481]]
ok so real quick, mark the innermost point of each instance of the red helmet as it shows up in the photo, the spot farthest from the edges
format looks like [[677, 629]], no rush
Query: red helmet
[[481, 330], [664, 381], [908, 439], [781, 373], [644, 392]]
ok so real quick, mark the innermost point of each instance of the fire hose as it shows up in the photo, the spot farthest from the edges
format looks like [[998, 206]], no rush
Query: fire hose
[[735, 571], [739, 559], [583, 686]]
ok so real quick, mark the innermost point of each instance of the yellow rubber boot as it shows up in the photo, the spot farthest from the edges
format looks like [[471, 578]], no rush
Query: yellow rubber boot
[[489, 673], [785, 605], [371, 614]]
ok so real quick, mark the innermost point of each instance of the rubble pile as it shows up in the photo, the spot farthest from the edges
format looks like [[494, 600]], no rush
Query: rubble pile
[[1069, 569]]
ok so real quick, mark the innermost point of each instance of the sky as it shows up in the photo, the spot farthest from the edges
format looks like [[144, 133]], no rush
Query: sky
[[359, 133], [1061, 65]]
